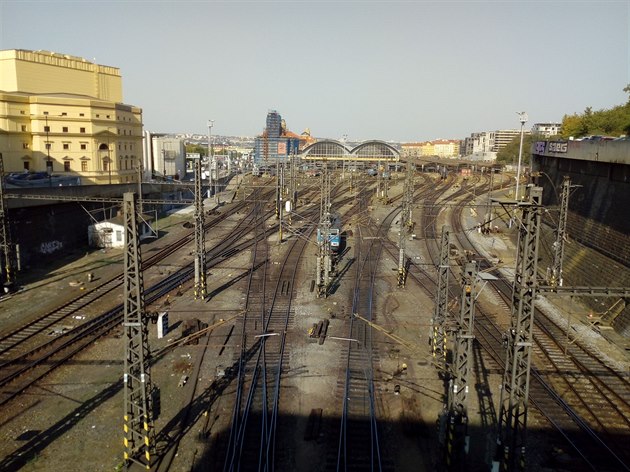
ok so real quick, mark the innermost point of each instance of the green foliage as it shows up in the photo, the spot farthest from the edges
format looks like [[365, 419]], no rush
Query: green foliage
[[197, 148], [509, 154], [612, 122]]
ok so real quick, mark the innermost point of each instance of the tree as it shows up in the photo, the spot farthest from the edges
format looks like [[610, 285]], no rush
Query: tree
[[509, 154], [571, 126]]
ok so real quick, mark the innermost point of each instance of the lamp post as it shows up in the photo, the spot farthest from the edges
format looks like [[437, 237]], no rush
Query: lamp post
[[210, 125], [109, 163], [49, 165], [523, 118]]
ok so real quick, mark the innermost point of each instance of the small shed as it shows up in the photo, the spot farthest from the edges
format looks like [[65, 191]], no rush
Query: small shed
[[111, 233]]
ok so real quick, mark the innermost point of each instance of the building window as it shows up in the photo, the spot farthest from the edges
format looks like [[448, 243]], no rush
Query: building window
[[64, 114], [66, 146], [46, 129], [105, 165], [25, 146], [119, 236], [65, 129], [84, 166], [83, 146], [107, 116], [82, 130], [45, 113], [23, 127], [66, 166], [98, 116], [27, 165], [81, 114]]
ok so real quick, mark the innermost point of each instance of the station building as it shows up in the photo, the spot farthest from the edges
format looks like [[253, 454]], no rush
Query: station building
[[65, 116]]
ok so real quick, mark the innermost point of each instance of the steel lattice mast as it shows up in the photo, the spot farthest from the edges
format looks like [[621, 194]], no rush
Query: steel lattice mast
[[200, 290], [405, 224], [438, 339], [324, 253], [138, 434], [558, 246], [511, 440], [5, 235], [457, 424]]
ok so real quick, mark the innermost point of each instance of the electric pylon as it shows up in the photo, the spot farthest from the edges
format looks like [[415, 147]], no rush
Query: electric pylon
[[138, 420], [405, 224], [324, 253], [6, 245], [438, 340], [200, 290], [511, 439], [457, 417], [558, 245]]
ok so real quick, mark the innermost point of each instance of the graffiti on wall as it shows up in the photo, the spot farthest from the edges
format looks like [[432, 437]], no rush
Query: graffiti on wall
[[50, 247]]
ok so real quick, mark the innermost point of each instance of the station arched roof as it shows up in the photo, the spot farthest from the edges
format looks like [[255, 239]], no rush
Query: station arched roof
[[325, 149], [376, 150], [366, 151]]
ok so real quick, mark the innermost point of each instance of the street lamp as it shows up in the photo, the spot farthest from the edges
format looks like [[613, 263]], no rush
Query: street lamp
[[210, 124], [49, 164], [523, 118]]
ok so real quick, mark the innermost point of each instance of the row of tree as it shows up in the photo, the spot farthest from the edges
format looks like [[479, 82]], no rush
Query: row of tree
[[606, 122]]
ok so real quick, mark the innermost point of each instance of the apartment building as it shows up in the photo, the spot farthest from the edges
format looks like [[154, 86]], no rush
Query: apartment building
[[64, 115], [546, 129]]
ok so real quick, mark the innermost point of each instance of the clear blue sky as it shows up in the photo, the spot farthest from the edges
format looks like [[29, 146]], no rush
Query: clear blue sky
[[393, 70]]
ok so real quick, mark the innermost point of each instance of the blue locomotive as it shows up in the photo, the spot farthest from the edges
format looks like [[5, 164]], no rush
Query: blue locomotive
[[334, 236]]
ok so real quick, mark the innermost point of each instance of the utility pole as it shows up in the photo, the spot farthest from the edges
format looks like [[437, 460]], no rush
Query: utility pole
[[5, 237], [511, 439], [139, 177], [324, 253], [522, 116], [405, 224], [210, 156], [457, 440], [558, 245], [138, 416], [200, 238], [438, 341], [281, 193]]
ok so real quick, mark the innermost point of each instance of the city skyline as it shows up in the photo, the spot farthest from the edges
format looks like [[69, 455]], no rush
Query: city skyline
[[392, 70]]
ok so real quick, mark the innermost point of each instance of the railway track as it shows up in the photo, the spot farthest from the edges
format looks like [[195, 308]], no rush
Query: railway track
[[22, 371], [577, 393]]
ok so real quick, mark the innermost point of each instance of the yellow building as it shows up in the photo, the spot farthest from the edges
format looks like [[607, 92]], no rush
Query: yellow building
[[439, 148], [446, 148], [417, 149], [66, 113]]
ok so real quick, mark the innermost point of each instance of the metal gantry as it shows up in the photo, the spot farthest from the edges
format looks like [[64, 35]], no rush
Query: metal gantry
[[457, 417], [6, 245], [200, 290], [438, 339], [138, 421], [511, 439]]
